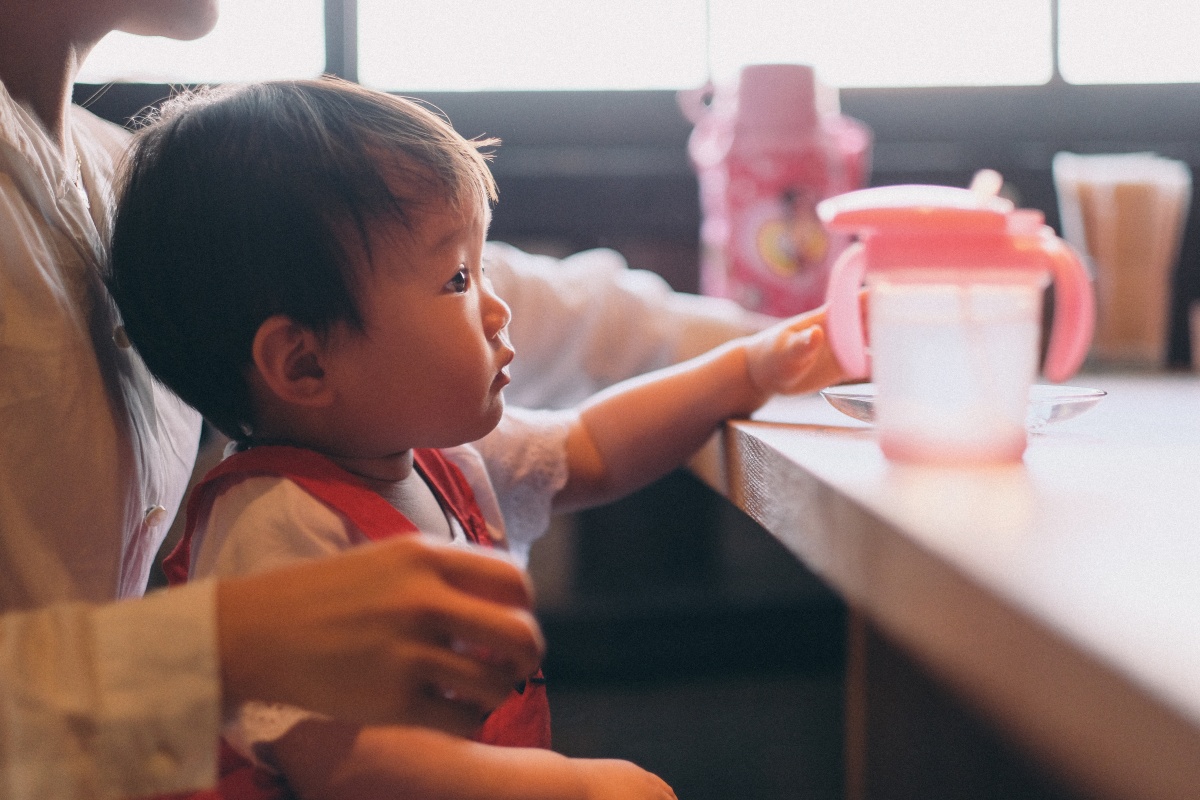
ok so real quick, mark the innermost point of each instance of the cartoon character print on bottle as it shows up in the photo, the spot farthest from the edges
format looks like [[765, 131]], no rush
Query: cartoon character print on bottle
[[781, 253]]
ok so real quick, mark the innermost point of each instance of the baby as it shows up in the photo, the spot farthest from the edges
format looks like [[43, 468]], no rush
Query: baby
[[301, 261]]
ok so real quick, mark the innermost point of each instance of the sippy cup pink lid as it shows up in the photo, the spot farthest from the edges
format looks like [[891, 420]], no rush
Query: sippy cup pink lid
[[903, 227], [914, 200]]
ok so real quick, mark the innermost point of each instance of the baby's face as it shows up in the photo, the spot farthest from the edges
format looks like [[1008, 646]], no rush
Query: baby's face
[[429, 367]]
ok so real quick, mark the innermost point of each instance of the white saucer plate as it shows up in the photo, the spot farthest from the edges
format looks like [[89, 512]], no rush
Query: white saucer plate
[[1048, 403]]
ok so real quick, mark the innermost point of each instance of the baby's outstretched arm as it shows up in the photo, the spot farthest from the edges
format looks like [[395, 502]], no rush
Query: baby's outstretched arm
[[638, 430], [328, 760]]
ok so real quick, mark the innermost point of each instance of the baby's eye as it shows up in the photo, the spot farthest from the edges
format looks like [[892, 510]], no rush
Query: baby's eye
[[460, 282]]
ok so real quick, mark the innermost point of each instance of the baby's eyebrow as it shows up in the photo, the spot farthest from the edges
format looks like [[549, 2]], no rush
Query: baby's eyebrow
[[450, 238]]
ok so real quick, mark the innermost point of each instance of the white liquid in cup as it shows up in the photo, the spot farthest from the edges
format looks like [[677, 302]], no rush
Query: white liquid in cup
[[952, 365]]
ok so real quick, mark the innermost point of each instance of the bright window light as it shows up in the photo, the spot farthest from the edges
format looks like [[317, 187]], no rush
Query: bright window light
[[531, 44], [897, 43], [1116, 41], [431, 45], [260, 40]]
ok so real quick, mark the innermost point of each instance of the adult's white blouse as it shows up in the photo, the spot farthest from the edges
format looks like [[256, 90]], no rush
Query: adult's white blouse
[[584, 322], [94, 458], [94, 455]]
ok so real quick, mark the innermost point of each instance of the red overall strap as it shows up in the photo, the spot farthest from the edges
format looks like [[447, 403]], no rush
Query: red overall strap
[[452, 489], [313, 472], [238, 780], [523, 720]]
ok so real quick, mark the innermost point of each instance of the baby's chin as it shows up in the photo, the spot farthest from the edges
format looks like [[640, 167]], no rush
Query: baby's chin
[[486, 424], [493, 418]]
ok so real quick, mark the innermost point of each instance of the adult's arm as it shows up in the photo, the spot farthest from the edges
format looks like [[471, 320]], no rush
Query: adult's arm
[[585, 322], [128, 698], [110, 701]]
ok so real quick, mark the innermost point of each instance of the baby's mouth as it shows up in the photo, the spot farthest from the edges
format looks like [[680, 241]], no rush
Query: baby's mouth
[[503, 377]]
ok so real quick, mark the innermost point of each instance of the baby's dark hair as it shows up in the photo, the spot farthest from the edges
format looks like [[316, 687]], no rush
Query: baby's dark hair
[[238, 204]]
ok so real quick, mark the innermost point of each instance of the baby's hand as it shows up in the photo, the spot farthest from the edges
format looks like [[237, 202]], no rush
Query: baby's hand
[[793, 357], [611, 779]]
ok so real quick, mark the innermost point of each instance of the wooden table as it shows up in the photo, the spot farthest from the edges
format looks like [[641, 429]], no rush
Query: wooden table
[[1057, 601]]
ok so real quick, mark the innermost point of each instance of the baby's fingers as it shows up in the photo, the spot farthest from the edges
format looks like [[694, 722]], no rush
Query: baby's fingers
[[800, 342], [801, 354]]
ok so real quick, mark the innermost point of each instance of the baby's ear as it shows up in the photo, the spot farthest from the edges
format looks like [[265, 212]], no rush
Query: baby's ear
[[288, 357]]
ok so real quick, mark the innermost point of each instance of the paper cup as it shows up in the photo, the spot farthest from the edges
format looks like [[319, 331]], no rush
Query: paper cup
[[1126, 214]]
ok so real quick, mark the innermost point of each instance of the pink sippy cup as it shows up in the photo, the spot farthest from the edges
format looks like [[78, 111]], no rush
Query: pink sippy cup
[[955, 283]]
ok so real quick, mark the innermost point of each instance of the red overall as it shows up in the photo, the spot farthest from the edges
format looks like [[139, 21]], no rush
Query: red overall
[[523, 720]]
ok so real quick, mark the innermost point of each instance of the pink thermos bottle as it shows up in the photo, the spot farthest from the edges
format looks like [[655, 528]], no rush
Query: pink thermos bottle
[[765, 156]]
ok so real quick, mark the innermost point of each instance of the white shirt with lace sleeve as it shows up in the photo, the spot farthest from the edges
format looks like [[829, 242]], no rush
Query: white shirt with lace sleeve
[[264, 522]]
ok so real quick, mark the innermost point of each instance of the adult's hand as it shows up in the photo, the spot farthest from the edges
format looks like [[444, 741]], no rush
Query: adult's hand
[[405, 631]]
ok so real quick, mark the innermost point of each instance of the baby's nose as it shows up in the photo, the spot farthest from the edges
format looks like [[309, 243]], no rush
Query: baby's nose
[[496, 311]]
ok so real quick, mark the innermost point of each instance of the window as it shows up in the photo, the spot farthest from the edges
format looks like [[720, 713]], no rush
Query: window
[[897, 43], [1116, 41], [531, 44], [431, 45], [252, 41]]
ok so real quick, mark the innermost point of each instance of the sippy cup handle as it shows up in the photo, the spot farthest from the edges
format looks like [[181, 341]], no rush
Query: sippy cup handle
[[1074, 311], [843, 316]]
